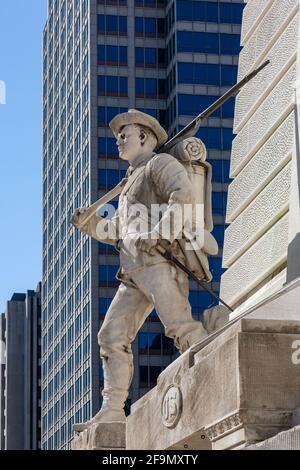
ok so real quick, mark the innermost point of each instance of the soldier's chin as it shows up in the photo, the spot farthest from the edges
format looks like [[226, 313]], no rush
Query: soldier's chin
[[123, 156]]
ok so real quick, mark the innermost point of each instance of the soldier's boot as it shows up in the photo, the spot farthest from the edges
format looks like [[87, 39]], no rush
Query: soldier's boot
[[117, 379], [192, 337]]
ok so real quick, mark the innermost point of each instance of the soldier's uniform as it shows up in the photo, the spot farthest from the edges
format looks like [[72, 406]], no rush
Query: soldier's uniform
[[147, 281]]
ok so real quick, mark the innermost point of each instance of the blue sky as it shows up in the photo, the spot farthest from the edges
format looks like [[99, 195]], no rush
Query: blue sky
[[21, 26]]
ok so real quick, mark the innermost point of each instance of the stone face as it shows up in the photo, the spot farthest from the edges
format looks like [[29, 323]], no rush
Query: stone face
[[261, 214], [237, 388], [261, 199], [287, 440], [264, 121], [102, 436], [261, 169], [282, 54], [253, 11], [263, 37], [263, 258]]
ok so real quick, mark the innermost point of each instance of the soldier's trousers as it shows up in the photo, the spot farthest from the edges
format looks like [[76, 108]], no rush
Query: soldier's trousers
[[161, 286]]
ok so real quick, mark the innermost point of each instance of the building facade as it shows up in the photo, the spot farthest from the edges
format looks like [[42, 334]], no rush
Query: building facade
[[20, 377], [170, 59]]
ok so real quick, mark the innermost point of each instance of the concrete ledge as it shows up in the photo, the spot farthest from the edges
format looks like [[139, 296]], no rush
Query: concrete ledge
[[288, 440], [102, 436]]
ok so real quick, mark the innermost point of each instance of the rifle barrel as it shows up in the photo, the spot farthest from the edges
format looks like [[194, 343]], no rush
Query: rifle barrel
[[192, 128]]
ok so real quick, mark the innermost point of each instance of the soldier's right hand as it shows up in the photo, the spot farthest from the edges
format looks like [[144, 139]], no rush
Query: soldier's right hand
[[77, 217]]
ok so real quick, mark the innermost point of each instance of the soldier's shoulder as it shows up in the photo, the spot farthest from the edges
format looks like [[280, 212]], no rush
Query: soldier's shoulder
[[164, 160]]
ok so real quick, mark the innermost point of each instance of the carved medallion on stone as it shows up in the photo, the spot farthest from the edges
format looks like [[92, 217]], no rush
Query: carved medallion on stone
[[171, 408]]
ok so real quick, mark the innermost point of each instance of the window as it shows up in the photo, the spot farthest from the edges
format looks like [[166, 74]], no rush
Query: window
[[192, 105], [207, 74], [150, 343], [108, 273], [106, 114], [219, 202], [112, 55], [107, 147], [150, 57], [200, 300], [210, 43], [86, 380], [109, 178], [104, 304], [150, 88], [220, 170], [149, 27], [112, 2], [148, 375], [151, 3], [216, 12], [112, 24], [112, 86], [216, 138]]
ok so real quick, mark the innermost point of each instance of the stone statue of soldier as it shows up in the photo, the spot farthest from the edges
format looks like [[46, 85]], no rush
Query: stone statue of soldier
[[148, 280]]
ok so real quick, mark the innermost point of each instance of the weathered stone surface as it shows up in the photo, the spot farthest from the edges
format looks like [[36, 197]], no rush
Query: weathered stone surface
[[261, 169], [287, 440], [237, 388], [263, 258], [258, 217], [281, 56], [102, 436], [252, 15], [266, 33], [263, 122]]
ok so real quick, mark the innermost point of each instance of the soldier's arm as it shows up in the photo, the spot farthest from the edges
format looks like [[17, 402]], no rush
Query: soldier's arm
[[173, 184], [105, 230]]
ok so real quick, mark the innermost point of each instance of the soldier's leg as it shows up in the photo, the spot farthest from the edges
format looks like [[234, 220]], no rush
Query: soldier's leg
[[167, 288], [126, 315]]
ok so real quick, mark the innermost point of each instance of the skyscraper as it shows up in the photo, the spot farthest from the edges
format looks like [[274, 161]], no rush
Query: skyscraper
[[170, 59], [20, 372]]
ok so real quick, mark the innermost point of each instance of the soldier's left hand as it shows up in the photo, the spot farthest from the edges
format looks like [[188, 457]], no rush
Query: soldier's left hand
[[146, 242]]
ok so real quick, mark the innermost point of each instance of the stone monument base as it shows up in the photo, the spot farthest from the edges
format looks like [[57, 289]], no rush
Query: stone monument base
[[102, 436], [229, 392]]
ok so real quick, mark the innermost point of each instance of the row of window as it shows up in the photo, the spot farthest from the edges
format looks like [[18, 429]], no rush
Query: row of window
[[138, 3], [209, 43], [207, 74], [192, 105], [151, 88], [117, 25], [216, 12], [144, 57]]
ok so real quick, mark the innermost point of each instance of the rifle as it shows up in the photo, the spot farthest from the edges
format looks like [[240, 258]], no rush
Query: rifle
[[189, 131]]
